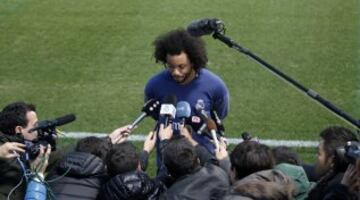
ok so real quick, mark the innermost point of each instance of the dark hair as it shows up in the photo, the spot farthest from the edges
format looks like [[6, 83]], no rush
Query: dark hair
[[94, 145], [335, 137], [284, 154], [177, 41], [249, 157], [180, 157], [122, 158], [14, 115]]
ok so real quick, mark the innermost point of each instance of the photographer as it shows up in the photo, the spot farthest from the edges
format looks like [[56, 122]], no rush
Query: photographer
[[330, 167], [16, 119], [349, 187]]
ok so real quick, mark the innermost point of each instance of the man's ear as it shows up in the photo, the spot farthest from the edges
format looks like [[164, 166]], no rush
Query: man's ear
[[18, 129], [330, 161]]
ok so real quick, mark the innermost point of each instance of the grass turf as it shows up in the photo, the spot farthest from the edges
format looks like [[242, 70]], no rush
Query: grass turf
[[93, 58]]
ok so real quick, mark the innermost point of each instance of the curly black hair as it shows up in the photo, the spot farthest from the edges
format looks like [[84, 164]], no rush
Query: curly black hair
[[177, 41], [14, 115]]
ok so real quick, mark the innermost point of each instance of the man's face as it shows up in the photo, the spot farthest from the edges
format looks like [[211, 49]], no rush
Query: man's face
[[180, 67], [323, 163], [32, 122]]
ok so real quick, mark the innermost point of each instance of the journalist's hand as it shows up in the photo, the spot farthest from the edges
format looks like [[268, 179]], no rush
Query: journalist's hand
[[150, 141], [11, 149], [41, 162], [120, 135]]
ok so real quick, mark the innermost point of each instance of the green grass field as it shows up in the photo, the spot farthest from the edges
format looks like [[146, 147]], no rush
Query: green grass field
[[93, 58]]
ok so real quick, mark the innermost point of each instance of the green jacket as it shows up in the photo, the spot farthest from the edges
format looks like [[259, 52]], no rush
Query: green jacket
[[11, 173], [298, 175]]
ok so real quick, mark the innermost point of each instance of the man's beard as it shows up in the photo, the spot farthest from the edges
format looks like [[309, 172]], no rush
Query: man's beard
[[321, 169], [179, 79], [183, 79]]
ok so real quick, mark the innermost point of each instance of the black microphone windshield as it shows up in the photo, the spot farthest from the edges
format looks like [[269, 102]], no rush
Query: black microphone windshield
[[204, 26], [46, 124], [64, 119]]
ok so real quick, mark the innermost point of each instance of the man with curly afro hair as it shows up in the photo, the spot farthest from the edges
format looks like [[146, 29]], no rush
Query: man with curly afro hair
[[185, 76]]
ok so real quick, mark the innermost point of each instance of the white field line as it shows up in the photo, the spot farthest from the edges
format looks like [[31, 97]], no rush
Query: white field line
[[270, 142]]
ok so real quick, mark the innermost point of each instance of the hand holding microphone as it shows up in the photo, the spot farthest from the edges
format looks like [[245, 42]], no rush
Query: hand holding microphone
[[150, 108], [121, 134], [168, 110], [165, 133]]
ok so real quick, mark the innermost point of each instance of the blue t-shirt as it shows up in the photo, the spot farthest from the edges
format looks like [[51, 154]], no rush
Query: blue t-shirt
[[206, 87]]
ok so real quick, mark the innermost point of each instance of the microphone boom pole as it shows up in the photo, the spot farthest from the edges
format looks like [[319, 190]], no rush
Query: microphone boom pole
[[218, 34]]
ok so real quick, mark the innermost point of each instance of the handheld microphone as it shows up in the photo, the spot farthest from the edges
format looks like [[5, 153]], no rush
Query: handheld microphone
[[183, 111], [168, 110], [47, 124], [212, 127], [205, 26], [219, 124], [150, 108], [199, 109]]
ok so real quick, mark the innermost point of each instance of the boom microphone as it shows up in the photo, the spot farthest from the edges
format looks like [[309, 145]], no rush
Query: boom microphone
[[168, 110], [205, 26], [46, 124], [150, 108]]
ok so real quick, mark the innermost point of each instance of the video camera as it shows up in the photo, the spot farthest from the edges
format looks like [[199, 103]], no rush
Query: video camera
[[47, 134], [350, 153]]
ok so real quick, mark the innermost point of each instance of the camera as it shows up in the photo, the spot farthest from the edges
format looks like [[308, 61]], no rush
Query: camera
[[47, 134], [350, 152]]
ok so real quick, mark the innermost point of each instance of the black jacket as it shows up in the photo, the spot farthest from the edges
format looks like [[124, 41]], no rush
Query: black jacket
[[207, 182], [319, 191], [134, 185], [78, 176]]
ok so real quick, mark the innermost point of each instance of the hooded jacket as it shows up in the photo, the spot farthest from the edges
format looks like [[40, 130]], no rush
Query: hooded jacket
[[267, 184], [207, 182], [78, 176], [299, 177], [135, 185]]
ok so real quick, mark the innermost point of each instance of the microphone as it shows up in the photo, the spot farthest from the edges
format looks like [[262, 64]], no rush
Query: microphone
[[199, 109], [183, 111], [219, 124], [46, 124], [205, 26], [168, 110], [212, 127], [150, 108]]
